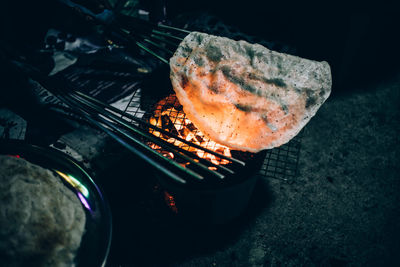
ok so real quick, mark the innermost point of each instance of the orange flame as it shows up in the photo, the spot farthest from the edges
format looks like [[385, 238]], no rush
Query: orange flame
[[169, 116]]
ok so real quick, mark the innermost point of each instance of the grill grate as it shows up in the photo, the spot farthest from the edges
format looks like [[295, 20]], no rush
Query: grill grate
[[177, 117], [279, 163]]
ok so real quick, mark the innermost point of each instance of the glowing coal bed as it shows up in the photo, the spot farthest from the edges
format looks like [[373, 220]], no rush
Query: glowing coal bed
[[169, 116]]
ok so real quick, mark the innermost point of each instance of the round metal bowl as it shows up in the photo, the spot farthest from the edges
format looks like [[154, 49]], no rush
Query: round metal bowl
[[96, 240]]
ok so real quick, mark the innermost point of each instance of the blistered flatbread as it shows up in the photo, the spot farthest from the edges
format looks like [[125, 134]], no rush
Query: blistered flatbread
[[244, 95]]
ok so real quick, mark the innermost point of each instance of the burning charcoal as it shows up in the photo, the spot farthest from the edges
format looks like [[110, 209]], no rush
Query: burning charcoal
[[175, 122], [168, 125], [184, 132], [191, 127], [167, 106], [200, 139], [220, 150], [174, 113], [169, 155]]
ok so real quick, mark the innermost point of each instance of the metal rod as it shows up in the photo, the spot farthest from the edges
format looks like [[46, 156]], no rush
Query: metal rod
[[136, 26], [156, 165], [170, 147], [45, 81], [127, 35], [222, 167], [115, 28], [152, 52], [76, 101], [122, 142], [141, 144], [140, 23], [159, 46], [146, 38], [158, 129], [150, 137], [172, 28], [167, 35], [175, 45], [180, 152]]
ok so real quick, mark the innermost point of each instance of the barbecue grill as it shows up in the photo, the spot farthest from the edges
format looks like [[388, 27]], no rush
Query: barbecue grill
[[210, 199], [202, 179]]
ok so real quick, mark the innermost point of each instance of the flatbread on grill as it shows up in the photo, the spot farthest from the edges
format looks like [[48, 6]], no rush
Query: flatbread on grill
[[41, 220], [244, 95]]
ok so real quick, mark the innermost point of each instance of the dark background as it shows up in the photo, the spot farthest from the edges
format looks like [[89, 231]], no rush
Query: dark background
[[357, 38]]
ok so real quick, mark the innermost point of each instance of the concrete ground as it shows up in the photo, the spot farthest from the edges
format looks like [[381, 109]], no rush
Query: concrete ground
[[344, 207]]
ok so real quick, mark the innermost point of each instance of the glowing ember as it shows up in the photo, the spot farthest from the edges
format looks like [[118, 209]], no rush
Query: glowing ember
[[169, 116], [169, 199]]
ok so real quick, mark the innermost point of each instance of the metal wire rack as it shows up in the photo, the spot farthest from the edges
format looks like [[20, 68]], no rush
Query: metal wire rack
[[176, 117], [280, 163]]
